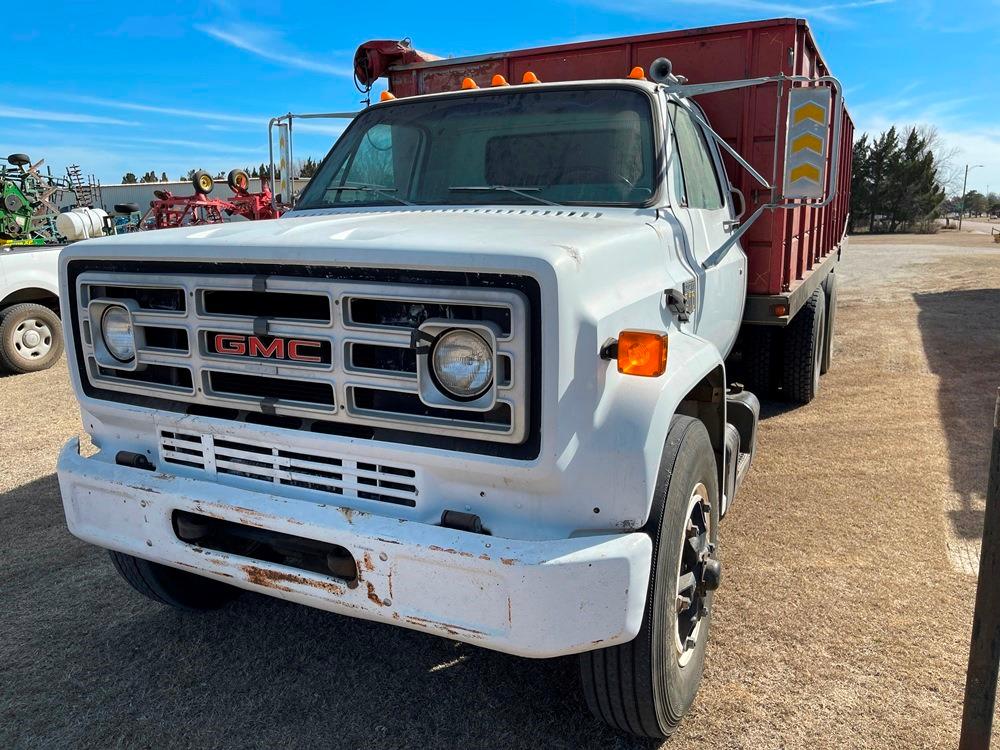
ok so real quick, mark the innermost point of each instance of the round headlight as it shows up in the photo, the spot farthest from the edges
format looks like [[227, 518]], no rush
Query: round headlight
[[462, 363], [116, 329]]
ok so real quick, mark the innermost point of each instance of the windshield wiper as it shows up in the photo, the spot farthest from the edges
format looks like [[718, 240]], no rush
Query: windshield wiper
[[524, 192], [384, 192]]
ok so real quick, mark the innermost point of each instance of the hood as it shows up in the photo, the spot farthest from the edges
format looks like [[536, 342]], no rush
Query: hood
[[478, 238]]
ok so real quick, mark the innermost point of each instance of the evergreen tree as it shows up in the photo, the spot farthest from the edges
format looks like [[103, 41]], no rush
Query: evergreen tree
[[897, 182], [129, 179], [309, 167]]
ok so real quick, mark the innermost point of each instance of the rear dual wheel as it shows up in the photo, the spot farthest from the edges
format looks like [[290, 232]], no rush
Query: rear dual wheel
[[646, 686], [793, 358], [804, 349], [830, 289]]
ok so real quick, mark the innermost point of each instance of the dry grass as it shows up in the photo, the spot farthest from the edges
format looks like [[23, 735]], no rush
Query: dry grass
[[841, 623]]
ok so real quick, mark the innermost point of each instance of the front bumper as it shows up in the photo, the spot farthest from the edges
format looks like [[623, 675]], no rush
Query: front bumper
[[534, 599]]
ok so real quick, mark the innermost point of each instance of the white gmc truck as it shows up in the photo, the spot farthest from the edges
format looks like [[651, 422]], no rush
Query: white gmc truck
[[475, 384]]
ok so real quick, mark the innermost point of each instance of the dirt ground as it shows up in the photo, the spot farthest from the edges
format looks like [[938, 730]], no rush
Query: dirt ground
[[842, 622]]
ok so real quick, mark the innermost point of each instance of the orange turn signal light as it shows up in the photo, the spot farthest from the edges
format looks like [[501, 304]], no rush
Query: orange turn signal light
[[468, 83], [499, 80], [637, 74], [386, 96], [642, 353], [779, 311], [530, 77]]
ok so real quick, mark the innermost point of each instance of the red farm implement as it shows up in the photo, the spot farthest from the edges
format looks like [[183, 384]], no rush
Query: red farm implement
[[169, 210]]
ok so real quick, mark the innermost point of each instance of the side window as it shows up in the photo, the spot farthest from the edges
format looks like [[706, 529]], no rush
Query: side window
[[701, 183]]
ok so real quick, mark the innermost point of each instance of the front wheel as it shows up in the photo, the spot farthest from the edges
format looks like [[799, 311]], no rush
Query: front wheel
[[175, 588], [646, 686]]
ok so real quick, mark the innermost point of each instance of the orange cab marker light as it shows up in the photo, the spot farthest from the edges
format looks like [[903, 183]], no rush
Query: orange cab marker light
[[530, 77], [386, 96], [499, 80], [637, 74], [642, 353], [779, 311], [468, 83]]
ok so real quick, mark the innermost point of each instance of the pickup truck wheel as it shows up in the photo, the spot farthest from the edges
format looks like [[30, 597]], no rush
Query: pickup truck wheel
[[803, 355], [175, 588], [830, 288], [646, 686], [31, 338]]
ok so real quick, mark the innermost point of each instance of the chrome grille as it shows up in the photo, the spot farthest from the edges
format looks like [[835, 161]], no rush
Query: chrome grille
[[360, 333], [229, 457]]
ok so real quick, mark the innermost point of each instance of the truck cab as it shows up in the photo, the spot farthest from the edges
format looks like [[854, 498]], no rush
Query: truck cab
[[474, 384]]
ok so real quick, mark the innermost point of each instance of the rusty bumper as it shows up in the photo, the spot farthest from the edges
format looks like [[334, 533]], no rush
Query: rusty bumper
[[530, 598]]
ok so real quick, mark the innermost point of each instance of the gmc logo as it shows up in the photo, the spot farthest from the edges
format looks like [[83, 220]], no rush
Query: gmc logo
[[295, 350]]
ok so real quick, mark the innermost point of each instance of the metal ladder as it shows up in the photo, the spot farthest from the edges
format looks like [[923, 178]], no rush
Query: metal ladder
[[87, 192]]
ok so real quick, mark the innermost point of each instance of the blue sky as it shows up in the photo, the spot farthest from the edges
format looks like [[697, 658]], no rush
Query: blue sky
[[119, 87]]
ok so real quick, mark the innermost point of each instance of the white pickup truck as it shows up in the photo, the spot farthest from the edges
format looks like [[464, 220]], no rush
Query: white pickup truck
[[31, 337], [475, 384]]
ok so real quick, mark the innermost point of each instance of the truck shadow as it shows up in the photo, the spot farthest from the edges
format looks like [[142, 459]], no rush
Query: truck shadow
[[961, 339], [97, 665]]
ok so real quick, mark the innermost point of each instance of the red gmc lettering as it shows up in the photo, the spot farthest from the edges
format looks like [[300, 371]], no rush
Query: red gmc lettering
[[275, 349], [295, 347], [227, 343]]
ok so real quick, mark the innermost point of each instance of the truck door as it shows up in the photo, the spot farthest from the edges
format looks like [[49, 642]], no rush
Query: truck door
[[706, 206]]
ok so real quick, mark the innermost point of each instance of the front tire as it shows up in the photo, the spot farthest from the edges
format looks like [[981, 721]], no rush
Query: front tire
[[175, 588], [31, 338], [646, 686]]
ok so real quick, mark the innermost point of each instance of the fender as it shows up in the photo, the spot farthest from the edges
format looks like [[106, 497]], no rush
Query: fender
[[34, 268], [632, 423]]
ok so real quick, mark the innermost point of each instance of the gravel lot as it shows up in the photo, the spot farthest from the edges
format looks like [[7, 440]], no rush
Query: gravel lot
[[842, 622]]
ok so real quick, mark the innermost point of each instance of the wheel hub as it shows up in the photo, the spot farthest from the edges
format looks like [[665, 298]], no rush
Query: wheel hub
[[698, 573], [32, 338]]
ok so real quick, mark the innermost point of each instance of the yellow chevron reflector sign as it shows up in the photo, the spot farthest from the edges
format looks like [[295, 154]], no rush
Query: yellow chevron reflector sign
[[807, 141], [808, 134], [810, 111], [806, 172]]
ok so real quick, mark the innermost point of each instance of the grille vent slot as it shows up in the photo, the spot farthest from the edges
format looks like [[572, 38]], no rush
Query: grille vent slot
[[314, 472]]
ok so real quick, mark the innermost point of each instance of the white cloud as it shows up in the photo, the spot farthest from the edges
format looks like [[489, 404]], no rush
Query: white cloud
[[24, 113], [829, 12], [195, 114], [265, 44], [201, 147]]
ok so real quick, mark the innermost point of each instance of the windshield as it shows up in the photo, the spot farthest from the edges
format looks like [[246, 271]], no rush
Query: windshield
[[585, 146]]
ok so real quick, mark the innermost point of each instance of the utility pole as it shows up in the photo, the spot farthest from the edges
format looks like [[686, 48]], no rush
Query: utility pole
[[965, 184]]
